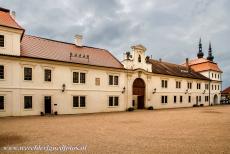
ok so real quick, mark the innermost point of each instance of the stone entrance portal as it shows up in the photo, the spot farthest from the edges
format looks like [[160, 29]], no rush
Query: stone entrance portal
[[139, 94]]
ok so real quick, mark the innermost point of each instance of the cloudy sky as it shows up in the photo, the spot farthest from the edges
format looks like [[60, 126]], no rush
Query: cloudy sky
[[169, 29]]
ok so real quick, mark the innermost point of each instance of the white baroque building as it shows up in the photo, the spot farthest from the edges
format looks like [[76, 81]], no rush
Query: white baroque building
[[42, 75]]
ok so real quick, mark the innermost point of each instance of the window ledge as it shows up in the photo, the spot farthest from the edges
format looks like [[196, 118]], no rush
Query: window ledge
[[28, 109], [79, 107]]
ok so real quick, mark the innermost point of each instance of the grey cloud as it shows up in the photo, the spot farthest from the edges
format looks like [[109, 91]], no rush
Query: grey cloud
[[170, 29]]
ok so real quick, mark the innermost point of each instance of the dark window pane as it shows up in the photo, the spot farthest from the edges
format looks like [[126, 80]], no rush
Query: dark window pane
[[174, 99], [115, 80], [166, 99], [1, 72], [116, 101], [110, 101], [75, 77], [189, 99], [166, 83], [1, 102], [82, 101], [82, 77], [2, 39], [27, 73], [47, 75], [162, 99], [181, 99], [75, 101], [110, 80], [28, 102], [162, 83]]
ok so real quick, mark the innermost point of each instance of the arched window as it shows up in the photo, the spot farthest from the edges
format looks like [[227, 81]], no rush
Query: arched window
[[139, 58]]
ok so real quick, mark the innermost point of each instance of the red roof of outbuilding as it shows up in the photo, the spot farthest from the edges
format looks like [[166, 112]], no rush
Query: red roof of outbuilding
[[37, 47], [6, 19], [226, 91]]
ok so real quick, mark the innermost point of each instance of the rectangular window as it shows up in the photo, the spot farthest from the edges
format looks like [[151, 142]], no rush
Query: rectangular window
[[27, 102], [164, 99], [1, 102], [113, 100], [189, 85], [178, 84], [47, 75], [82, 77], [215, 87], [181, 99], [189, 99], [206, 86], [198, 86], [2, 40], [164, 83], [212, 86], [113, 80], [79, 101], [79, 77], [27, 73], [199, 98], [1, 72], [174, 99], [206, 98]]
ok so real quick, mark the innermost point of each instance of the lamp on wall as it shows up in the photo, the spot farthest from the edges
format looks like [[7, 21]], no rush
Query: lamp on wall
[[154, 90], [204, 91], [63, 87], [186, 92], [123, 90]]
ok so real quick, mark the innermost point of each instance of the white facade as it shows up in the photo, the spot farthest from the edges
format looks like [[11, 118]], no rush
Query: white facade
[[96, 91]]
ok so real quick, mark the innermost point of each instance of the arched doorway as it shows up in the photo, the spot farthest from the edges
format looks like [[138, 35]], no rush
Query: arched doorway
[[215, 99], [139, 93]]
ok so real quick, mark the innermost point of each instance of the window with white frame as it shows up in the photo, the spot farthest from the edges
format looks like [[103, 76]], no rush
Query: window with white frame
[[113, 80], [206, 86], [113, 101], [164, 99], [164, 83], [189, 86], [79, 77], [27, 73], [28, 102], [2, 73], [2, 103], [178, 84], [189, 99], [181, 99], [47, 75], [174, 99], [206, 98], [2, 41], [79, 101], [198, 86]]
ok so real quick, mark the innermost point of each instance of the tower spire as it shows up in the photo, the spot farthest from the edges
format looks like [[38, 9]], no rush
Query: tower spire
[[210, 56], [200, 54]]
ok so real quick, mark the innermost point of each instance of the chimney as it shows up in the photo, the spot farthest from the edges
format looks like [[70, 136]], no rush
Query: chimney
[[78, 40], [13, 14], [187, 64]]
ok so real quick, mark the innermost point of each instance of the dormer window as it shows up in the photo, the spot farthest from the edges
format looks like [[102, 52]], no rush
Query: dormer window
[[1, 40], [139, 58]]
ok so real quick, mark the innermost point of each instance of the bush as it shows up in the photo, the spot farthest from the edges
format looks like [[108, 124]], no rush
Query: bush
[[201, 105], [150, 108], [130, 109], [55, 113], [195, 105]]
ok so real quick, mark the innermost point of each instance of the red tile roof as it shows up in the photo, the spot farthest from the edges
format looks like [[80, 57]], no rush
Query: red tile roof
[[37, 47], [226, 91], [7, 20], [160, 67], [202, 64]]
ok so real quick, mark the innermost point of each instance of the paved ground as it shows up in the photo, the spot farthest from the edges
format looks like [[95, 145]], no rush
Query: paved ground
[[189, 130]]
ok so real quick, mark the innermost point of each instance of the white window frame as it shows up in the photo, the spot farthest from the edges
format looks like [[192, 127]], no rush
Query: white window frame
[[4, 43], [3, 110], [113, 101], [113, 75], [23, 102], [79, 77], [79, 96]]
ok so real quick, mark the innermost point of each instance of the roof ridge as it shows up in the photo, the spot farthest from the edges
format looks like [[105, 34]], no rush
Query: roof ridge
[[48, 39]]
